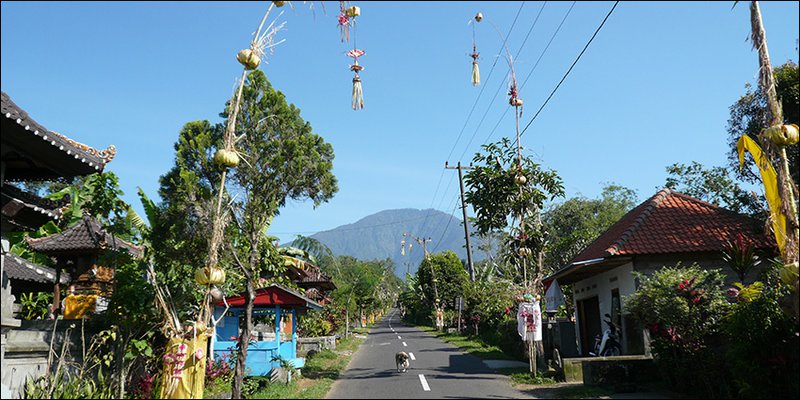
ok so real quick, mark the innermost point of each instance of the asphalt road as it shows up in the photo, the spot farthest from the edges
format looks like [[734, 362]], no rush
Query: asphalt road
[[438, 370]]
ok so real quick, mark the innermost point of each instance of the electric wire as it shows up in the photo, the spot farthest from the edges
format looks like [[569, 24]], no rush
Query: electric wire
[[466, 122], [455, 207], [532, 70], [500, 86], [570, 69]]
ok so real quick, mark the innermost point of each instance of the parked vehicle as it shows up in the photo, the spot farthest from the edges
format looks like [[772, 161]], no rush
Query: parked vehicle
[[608, 344]]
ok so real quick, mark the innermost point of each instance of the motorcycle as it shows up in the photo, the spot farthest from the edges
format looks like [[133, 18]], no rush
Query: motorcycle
[[607, 345]]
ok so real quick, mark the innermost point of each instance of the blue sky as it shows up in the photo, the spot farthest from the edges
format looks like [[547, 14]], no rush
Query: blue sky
[[653, 88]]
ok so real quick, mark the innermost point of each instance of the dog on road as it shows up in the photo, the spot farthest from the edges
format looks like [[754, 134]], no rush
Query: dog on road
[[401, 359]]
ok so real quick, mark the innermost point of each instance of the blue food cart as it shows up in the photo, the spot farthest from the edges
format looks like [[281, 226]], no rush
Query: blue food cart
[[275, 313]]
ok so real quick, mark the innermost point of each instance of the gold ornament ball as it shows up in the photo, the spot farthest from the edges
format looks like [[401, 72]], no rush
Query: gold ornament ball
[[782, 135], [226, 158], [248, 59]]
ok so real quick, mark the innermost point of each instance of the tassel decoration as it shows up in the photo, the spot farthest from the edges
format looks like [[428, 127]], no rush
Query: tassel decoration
[[476, 74], [358, 94]]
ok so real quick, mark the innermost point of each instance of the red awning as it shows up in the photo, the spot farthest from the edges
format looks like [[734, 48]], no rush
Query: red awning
[[274, 295]]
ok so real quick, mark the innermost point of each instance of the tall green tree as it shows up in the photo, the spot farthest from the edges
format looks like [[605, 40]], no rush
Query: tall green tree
[[750, 114], [713, 185], [179, 235], [282, 159], [499, 196], [442, 275], [575, 223]]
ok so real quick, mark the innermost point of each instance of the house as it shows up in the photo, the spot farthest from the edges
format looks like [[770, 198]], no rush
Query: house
[[31, 152], [668, 228]]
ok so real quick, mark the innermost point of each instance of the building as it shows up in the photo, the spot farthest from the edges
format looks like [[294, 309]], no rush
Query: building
[[31, 153], [666, 229]]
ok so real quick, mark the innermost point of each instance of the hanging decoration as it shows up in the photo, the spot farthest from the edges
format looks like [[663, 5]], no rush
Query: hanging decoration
[[347, 19], [358, 93], [476, 73]]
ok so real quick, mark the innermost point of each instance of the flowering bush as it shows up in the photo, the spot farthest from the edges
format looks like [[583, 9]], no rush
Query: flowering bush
[[220, 370], [144, 387], [683, 309], [762, 350]]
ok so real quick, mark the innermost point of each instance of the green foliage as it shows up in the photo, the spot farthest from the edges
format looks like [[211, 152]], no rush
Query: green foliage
[[441, 274], [20, 247], [683, 308], [762, 350], [749, 116], [714, 185], [686, 304], [525, 377], [495, 195], [315, 323], [284, 159], [740, 256], [35, 306], [575, 223]]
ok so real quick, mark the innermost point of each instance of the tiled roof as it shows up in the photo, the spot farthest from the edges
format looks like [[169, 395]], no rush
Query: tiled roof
[[21, 198], [96, 159], [21, 269], [672, 222], [86, 236]]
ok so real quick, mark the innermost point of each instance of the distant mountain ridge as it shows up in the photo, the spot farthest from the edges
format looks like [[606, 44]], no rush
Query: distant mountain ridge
[[378, 236]]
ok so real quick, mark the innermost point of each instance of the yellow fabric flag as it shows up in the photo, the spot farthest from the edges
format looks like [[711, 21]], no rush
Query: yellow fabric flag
[[185, 368], [770, 179]]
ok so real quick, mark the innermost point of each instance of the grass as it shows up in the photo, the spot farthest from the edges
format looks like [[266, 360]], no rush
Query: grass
[[319, 373], [469, 344], [522, 376], [582, 392]]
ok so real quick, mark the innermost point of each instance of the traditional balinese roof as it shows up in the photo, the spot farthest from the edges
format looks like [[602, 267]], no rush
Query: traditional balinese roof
[[21, 269], [27, 210], [307, 275], [33, 152], [87, 236], [274, 295], [668, 223]]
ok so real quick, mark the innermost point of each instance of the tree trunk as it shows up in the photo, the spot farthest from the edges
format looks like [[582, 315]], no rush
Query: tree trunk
[[244, 340]]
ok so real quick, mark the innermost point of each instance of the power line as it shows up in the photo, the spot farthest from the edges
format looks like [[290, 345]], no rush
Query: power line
[[516, 56], [483, 87], [532, 69], [455, 206], [570, 68], [351, 229]]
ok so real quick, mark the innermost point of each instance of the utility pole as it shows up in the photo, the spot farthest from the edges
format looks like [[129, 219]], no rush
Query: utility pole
[[466, 221]]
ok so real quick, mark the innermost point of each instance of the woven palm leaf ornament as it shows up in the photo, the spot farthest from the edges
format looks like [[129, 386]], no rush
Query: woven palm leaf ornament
[[358, 93], [476, 73], [347, 19]]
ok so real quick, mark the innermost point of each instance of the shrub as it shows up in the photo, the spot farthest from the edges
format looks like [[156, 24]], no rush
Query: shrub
[[683, 308], [763, 347], [316, 323]]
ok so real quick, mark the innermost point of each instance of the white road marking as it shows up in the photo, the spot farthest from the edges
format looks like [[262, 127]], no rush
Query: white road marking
[[404, 344], [412, 356], [424, 383], [398, 336]]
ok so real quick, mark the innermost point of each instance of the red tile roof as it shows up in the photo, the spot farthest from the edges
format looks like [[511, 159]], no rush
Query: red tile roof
[[672, 222]]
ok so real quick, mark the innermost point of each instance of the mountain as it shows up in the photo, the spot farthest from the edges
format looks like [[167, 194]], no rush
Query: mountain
[[378, 236]]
